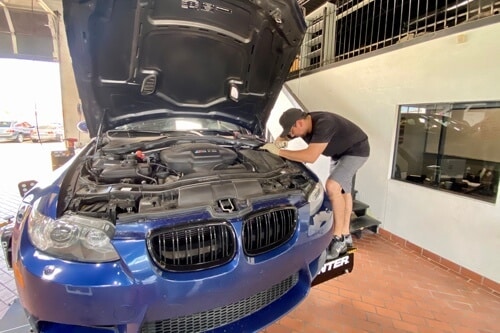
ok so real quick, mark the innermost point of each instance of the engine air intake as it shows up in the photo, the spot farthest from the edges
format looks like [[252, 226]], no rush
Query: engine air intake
[[267, 230], [193, 247], [207, 320]]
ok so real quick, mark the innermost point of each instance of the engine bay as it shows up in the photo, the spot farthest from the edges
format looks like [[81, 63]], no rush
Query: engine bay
[[180, 161], [114, 183]]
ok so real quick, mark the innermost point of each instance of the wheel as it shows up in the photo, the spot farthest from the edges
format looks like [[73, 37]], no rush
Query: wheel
[[20, 138], [34, 140], [59, 138]]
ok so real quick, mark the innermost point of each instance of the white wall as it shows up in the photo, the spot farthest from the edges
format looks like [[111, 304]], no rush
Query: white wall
[[368, 91], [285, 101]]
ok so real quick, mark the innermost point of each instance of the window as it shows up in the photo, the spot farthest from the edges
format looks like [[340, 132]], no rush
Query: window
[[182, 124], [450, 147]]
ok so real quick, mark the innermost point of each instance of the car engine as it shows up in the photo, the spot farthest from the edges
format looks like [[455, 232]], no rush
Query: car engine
[[115, 183], [167, 165], [185, 160]]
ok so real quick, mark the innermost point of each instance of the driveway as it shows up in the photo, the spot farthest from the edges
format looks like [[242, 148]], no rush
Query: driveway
[[22, 161]]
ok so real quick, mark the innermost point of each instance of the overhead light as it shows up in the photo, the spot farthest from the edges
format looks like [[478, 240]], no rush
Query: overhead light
[[463, 3]]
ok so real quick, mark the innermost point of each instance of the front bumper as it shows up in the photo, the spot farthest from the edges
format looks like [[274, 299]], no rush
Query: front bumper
[[133, 295], [8, 137]]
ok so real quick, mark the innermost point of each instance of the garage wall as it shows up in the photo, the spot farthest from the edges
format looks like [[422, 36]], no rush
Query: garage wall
[[464, 66]]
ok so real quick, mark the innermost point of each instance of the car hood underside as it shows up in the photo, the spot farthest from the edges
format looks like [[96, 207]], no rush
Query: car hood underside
[[137, 60]]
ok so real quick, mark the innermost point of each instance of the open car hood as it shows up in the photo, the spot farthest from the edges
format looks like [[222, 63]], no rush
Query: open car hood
[[149, 59]]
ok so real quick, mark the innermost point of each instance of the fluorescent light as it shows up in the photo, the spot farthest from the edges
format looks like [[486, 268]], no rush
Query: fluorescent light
[[463, 3]]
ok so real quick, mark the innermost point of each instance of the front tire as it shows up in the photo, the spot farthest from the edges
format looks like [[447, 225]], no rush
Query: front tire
[[20, 138]]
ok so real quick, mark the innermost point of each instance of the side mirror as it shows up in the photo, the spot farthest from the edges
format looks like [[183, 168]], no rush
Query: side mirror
[[82, 127], [25, 186]]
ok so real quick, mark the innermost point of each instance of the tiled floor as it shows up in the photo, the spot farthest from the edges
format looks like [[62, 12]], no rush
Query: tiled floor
[[392, 289]]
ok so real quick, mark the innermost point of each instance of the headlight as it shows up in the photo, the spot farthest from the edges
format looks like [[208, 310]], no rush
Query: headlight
[[73, 237], [315, 198]]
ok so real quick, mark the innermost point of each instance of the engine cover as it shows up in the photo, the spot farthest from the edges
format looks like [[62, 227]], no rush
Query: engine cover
[[196, 157]]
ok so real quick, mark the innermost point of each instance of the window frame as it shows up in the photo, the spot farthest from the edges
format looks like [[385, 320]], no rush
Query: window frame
[[432, 121]]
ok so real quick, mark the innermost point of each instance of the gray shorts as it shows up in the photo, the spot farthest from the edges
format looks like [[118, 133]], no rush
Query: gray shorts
[[343, 170]]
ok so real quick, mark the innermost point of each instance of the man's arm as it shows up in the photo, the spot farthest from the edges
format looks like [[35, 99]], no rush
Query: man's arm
[[308, 155]]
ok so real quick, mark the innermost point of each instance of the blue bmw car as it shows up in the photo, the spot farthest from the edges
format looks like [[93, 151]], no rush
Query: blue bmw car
[[172, 219]]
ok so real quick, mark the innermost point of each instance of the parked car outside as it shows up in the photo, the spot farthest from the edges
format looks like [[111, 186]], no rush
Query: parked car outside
[[11, 130], [172, 219], [50, 132]]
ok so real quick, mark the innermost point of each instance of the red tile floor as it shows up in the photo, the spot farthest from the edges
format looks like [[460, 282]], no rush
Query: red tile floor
[[391, 289], [394, 289]]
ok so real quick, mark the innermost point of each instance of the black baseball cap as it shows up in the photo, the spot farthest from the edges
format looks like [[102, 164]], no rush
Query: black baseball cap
[[288, 119]]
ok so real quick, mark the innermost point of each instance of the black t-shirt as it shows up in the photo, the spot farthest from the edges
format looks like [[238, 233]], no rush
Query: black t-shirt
[[343, 136]]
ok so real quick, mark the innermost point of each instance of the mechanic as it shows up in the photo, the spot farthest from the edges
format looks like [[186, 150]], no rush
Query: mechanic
[[345, 143]]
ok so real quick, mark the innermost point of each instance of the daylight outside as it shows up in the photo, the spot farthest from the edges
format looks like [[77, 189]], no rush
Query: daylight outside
[[30, 91]]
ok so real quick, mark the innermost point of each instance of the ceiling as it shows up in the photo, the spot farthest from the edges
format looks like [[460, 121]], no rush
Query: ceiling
[[29, 28]]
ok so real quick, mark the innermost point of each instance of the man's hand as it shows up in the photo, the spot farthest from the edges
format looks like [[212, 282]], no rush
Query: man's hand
[[281, 143], [271, 147]]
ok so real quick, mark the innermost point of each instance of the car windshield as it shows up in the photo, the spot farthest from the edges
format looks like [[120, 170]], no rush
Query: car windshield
[[181, 124]]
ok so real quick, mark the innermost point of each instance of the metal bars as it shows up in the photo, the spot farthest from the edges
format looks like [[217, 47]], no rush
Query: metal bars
[[211, 319], [267, 230], [191, 248], [350, 28]]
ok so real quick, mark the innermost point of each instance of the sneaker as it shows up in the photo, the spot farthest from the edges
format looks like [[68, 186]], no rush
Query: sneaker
[[348, 241], [336, 247]]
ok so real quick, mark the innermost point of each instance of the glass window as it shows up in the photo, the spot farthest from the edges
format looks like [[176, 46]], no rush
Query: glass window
[[451, 147], [182, 124]]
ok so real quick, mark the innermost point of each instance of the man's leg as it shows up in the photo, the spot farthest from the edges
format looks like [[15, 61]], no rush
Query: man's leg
[[338, 201], [346, 229], [340, 180], [347, 213]]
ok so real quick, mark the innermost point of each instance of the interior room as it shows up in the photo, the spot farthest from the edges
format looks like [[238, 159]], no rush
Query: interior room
[[160, 199]]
